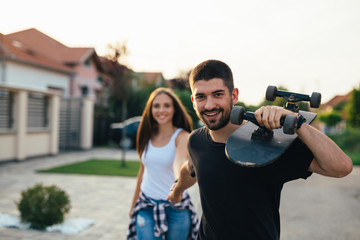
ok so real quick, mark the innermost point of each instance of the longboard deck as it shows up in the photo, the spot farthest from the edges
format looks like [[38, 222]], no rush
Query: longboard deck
[[243, 150]]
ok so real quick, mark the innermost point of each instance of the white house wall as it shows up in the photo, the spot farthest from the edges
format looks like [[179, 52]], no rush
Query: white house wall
[[29, 77], [37, 144], [21, 142], [7, 146]]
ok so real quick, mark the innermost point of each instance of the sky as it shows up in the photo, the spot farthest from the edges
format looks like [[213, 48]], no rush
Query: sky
[[304, 45]]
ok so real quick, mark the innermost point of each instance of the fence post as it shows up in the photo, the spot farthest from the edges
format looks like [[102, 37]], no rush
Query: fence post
[[87, 122], [54, 115], [21, 124]]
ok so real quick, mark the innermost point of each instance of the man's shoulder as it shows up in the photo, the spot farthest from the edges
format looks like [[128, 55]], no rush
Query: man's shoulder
[[198, 132], [198, 136]]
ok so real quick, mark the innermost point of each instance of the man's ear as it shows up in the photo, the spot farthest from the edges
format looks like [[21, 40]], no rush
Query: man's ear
[[193, 101], [235, 96]]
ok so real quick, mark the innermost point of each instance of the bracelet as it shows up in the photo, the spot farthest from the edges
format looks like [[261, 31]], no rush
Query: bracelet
[[300, 121]]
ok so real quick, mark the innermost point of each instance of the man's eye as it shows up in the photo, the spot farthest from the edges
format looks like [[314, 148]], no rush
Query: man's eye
[[199, 97]]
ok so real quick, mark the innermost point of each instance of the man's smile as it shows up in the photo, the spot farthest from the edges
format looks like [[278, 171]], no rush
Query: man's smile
[[211, 115]]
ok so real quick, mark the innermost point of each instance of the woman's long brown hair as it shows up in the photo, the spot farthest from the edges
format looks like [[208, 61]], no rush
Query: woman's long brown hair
[[148, 126]]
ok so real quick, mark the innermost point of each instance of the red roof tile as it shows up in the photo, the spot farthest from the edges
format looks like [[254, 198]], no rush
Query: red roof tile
[[337, 99], [151, 77], [48, 46], [21, 52]]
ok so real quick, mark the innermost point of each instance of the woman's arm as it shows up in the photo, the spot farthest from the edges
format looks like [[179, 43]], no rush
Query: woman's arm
[[137, 188]]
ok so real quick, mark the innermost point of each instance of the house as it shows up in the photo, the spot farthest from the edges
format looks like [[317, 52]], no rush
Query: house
[[82, 62], [21, 66], [39, 78], [336, 103], [145, 78], [108, 75]]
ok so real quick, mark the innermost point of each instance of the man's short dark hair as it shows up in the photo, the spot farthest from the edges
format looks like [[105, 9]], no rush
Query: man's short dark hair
[[212, 69]]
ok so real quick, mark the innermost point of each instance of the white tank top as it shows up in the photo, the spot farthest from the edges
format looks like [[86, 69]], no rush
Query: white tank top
[[159, 175]]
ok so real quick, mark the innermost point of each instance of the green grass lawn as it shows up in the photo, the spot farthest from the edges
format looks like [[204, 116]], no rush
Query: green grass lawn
[[98, 167]]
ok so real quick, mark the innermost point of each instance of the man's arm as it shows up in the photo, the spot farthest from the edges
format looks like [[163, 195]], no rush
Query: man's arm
[[181, 154], [184, 181], [329, 159]]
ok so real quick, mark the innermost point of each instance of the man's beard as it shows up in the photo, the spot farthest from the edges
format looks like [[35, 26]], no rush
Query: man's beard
[[218, 123]]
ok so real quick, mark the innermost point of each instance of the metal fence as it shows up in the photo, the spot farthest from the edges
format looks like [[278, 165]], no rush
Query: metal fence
[[70, 124], [6, 109]]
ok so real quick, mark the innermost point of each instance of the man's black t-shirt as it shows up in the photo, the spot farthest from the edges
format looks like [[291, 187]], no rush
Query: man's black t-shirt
[[242, 202]]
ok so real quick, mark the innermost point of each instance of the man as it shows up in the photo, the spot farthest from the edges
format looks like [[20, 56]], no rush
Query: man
[[240, 202]]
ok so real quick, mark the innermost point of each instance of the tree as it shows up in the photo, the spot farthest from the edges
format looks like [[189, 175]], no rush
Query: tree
[[181, 87], [136, 105], [185, 97], [331, 118], [250, 108], [354, 108], [116, 51], [121, 89]]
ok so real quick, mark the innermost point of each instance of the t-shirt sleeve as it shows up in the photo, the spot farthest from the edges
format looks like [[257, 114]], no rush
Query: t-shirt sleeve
[[295, 162], [190, 161]]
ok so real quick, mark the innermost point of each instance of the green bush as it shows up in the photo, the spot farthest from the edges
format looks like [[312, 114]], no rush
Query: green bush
[[330, 119], [43, 206], [349, 142]]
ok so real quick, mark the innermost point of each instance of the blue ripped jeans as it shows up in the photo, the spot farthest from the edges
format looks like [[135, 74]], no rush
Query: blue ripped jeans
[[178, 221]]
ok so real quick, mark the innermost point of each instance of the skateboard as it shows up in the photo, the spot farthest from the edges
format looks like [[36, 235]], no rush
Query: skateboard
[[255, 146]]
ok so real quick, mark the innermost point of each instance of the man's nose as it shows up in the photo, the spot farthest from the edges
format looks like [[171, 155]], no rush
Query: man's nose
[[210, 104]]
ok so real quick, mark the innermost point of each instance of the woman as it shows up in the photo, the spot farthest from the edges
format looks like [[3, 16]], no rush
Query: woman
[[162, 148]]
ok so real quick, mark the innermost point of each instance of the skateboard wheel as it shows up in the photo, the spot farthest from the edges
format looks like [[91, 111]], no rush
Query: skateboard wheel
[[290, 124], [271, 93], [315, 100], [237, 115]]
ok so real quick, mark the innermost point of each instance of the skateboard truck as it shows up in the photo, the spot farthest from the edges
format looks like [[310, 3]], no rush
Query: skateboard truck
[[288, 122], [238, 114], [272, 92]]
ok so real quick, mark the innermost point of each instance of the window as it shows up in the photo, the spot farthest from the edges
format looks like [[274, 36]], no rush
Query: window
[[37, 112], [84, 91], [6, 109], [87, 63]]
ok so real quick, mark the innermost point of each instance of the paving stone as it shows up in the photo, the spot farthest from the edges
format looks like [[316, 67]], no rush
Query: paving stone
[[318, 208]]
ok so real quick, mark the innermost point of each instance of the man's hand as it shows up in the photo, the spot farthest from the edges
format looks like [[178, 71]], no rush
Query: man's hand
[[174, 196], [181, 184], [269, 116]]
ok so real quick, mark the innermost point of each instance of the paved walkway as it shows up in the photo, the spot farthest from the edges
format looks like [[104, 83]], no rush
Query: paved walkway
[[319, 208], [105, 199]]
